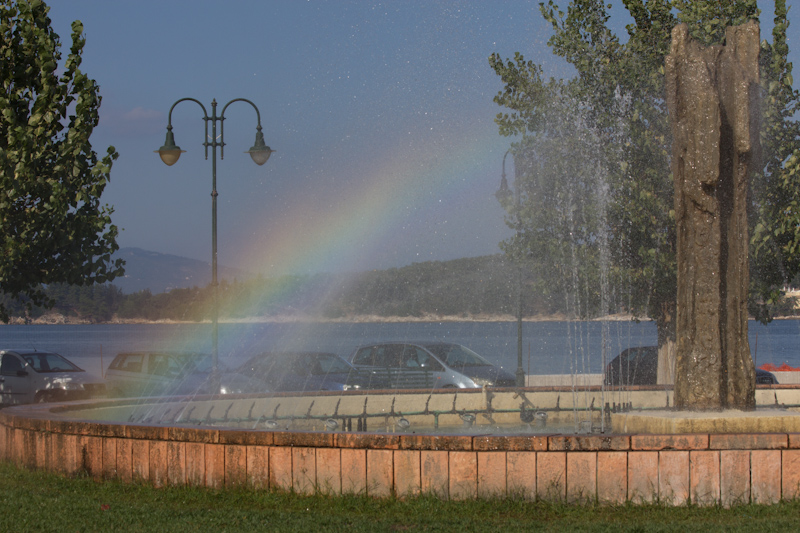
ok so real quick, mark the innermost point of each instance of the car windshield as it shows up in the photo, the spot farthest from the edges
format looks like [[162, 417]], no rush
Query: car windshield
[[456, 355], [189, 363], [203, 364], [635, 355], [327, 363], [49, 362], [260, 365]]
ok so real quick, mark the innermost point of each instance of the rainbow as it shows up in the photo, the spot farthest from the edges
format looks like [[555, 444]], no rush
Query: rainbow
[[339, 235]]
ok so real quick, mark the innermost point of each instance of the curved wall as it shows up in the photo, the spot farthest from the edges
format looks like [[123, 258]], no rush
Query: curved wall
[[705, 469]]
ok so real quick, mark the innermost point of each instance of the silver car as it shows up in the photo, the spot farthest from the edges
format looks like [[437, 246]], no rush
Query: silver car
[[174, 374], [429, 365], [28, 376]]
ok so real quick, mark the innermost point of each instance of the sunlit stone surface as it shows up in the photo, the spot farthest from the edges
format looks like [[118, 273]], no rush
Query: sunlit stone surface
[[441, 412], [712, 94], [762, 420]]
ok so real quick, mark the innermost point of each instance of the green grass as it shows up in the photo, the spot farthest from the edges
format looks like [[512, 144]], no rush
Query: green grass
[[38, 501]]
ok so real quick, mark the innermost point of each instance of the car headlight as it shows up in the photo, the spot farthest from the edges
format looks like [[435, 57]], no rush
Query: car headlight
[[351, 387], [68, 385], [483, 382]]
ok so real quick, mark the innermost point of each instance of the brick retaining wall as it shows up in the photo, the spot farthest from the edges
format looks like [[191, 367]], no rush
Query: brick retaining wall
[[673, 469]]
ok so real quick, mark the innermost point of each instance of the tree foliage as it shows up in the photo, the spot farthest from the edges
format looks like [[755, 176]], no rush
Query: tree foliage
[[775, 226], [559, 224], [620, 87], [53, 228]]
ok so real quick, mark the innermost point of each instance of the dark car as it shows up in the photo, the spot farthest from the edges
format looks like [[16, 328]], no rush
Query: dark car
[[639, 366], [307, 372], [430, 364], [633, 366]]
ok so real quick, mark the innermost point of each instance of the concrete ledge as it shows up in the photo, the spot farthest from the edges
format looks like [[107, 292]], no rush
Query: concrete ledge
[[567, 380], [564, 380], [788, 378], [729, 421]]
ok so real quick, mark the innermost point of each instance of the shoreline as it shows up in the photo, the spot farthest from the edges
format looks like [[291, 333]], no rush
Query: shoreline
[[52, 319]]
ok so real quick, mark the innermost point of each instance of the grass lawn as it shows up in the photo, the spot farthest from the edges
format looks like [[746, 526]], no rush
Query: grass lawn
[[38, 501]]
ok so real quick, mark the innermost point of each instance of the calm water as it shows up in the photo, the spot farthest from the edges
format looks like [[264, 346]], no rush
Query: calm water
[[548, 347]]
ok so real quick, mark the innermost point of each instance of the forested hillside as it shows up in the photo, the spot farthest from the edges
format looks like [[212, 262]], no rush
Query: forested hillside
[[470, 287]]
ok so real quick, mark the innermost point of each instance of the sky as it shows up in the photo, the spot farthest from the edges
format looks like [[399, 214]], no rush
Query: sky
[[380, 112]]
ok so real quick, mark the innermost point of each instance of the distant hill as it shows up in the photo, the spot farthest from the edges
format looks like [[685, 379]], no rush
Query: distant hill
[[179, 290], [168, 287], [163, 272]]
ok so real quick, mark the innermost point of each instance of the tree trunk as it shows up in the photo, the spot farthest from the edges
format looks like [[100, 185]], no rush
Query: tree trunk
[[712, 98]]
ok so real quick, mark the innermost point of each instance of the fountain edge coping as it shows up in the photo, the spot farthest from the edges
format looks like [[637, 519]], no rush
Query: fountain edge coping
[[34, 418]]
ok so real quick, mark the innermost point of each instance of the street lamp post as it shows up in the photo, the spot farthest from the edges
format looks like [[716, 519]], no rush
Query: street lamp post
[[170, 153], [502, 195]]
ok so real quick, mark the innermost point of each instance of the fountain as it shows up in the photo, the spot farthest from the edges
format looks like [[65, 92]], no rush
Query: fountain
[[518, 442], [455, 444], [712, 96]]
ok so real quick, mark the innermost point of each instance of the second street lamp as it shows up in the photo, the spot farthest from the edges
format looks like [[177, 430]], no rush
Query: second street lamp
[[503, 195], [170, 153]]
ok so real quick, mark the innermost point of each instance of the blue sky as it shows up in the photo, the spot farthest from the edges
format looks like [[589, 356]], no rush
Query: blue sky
[[381, 114]]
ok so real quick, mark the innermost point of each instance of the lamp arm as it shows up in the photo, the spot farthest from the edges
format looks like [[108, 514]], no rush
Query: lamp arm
[[504, 161], [222, 119], [258, 114], [205, 118]]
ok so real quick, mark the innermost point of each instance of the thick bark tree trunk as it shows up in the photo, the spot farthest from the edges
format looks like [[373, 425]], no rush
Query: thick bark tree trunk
[[712, 98]]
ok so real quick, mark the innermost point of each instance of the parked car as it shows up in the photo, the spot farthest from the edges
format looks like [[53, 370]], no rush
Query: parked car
[[633, 366], [764, 377], [308, 371], [28, 376], [639, 366], [173, 374], [414, 365]]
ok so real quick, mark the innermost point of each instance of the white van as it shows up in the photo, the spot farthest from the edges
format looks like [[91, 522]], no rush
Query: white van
[[28, 376]]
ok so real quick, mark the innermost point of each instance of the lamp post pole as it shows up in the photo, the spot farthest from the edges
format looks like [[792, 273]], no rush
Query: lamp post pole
[[170, 153], [502, 194]]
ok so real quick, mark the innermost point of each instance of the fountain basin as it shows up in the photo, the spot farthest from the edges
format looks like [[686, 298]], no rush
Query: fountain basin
[[704, 468]]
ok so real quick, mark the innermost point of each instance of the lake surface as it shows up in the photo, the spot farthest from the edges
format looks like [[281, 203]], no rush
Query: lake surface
[[548, 347]]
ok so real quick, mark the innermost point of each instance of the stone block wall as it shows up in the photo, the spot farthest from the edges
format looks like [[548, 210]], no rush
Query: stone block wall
[[704, 469]]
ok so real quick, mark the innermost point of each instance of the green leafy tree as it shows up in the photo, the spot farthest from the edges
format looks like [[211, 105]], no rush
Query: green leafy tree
[[560, 227], [53, 228], [775, 250], [621, 87]]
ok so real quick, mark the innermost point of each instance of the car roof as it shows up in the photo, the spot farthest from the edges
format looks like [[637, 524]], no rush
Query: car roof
[[648, 351], [413, 343], [163, 352], [26, 351], [292, 354], [436, 343]]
